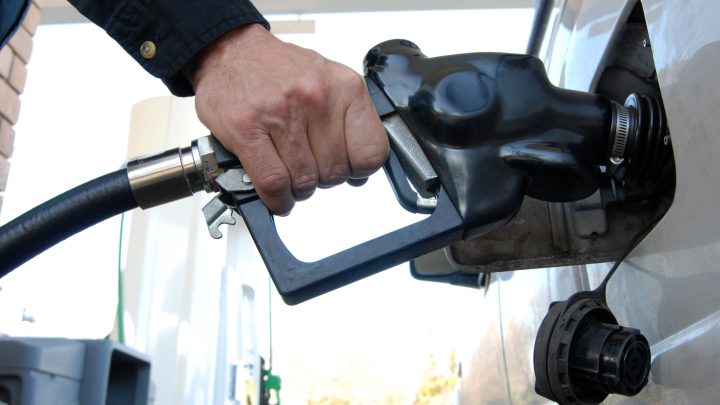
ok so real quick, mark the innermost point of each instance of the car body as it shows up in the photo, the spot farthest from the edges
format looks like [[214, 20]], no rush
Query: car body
[[668, 286]]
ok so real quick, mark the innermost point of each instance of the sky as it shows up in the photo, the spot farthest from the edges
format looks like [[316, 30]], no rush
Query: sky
[[74, 127]]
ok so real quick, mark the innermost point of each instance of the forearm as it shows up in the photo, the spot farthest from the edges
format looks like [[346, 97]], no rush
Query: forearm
[[177, 29]]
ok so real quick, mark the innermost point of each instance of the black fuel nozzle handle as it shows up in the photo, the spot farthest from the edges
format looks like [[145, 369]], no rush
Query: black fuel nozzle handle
[[298, 281], [493, 127]]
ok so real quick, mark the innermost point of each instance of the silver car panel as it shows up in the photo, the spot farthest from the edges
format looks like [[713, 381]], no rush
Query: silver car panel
[[670, 285]]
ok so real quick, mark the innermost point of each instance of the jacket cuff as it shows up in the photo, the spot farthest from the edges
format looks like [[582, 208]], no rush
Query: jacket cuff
[[163, 36]]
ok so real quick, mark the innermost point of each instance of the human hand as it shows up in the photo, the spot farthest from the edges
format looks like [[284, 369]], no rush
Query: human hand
[[294, 119]]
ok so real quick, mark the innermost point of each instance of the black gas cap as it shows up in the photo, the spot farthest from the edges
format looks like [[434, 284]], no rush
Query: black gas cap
[[582, 355]]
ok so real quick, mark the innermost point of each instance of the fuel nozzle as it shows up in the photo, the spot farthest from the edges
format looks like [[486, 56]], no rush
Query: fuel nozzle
[[495, 129]]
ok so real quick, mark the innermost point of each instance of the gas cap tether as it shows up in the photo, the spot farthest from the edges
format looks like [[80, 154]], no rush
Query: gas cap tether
[[582, 355]]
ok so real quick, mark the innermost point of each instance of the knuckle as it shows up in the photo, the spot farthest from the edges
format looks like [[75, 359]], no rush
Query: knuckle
[[334, 174], [354, 83], [273, 184], [275, 104], [369, 158], [311, 89], [307, 180], [305, 185]]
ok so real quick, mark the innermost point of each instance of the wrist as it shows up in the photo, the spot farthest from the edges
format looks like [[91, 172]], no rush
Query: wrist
[[212, 55]]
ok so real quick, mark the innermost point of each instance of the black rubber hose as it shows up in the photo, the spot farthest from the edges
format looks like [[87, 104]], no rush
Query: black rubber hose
[[65, 215], [543, 11]]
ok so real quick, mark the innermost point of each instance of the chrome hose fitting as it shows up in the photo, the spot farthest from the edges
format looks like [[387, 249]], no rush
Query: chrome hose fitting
[[174, 174]]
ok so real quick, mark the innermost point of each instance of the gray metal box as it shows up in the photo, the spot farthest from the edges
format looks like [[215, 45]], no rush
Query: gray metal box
[[55, 371]]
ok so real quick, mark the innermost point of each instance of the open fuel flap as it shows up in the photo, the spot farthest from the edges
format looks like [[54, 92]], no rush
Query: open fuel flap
[[637, 186]]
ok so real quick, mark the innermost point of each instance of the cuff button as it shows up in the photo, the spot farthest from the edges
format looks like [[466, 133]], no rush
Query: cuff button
[[148, 50]]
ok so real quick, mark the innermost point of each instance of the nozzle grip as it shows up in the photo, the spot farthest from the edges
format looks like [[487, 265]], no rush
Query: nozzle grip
[[298, 281]]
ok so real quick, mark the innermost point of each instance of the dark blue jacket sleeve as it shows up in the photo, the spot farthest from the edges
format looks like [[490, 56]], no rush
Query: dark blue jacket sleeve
[[12, 13], [178, 29]]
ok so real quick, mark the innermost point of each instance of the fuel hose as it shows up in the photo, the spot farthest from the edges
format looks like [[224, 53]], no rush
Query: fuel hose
[[146, 182], [65, 215]]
